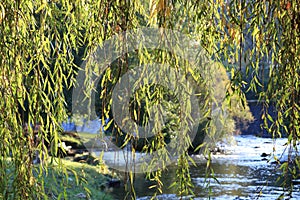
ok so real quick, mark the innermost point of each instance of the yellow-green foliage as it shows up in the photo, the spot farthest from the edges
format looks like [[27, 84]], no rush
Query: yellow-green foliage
[[43, 43]]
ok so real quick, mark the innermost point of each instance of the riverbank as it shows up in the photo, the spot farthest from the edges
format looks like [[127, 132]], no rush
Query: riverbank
[[77, 180]]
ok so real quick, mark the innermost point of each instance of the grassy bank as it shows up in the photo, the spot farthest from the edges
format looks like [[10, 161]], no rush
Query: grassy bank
[[65, 179]]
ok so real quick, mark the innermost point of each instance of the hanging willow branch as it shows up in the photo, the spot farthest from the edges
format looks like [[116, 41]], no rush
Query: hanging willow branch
[[44, 43]]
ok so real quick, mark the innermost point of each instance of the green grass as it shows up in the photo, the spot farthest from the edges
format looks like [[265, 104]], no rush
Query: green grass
[[70, 139], [76, 181]]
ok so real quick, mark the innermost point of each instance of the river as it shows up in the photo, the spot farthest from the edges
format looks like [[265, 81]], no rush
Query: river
[[244, 171]]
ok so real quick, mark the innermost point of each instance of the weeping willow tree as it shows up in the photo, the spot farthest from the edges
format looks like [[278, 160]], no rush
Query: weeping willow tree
[[39, 42], [43, 44], [259, 40]]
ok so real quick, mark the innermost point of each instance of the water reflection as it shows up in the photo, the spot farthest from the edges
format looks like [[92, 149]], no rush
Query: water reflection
[[242, 174]]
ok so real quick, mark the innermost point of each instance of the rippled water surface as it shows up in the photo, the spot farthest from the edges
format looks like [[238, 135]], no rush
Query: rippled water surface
[[242, 173]]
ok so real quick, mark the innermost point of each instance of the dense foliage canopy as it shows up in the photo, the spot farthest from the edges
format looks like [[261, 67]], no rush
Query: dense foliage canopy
[[43, 45]]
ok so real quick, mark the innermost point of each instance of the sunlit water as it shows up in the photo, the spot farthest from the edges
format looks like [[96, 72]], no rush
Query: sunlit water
[[242, 173]]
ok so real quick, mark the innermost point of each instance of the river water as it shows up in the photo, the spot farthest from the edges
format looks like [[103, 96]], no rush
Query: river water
[[241, 170], [242, 173]]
